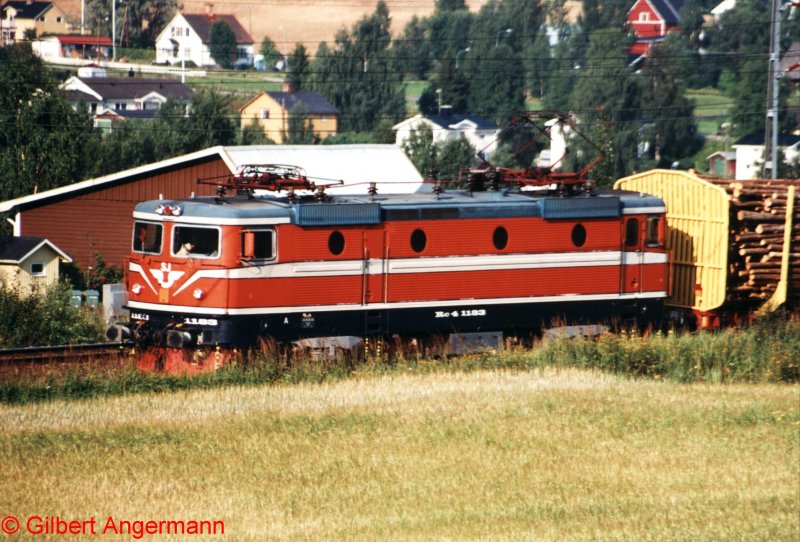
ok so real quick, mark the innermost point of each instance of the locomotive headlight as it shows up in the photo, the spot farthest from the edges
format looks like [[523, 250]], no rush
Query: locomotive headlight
[[136, 288], [198, 293]]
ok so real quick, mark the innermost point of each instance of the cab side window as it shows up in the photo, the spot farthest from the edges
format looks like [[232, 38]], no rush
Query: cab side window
[[147, 237], [653, 235], [258, 244], [632, 233]]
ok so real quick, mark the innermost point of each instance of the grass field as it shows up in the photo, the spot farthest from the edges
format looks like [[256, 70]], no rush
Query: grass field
[[552, 454], [710, 107]]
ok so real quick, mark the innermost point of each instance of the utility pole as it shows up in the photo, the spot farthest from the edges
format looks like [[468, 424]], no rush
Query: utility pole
[[773, 88]]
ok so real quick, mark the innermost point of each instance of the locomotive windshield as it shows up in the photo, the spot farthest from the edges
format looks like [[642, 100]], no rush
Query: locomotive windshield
[[147, 237], [195, 242]]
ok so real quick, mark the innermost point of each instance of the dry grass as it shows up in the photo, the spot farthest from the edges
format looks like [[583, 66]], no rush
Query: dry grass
[[548, 455], [306, 21]]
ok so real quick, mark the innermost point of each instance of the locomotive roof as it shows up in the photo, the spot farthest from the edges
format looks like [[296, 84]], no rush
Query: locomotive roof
[[365, 209]]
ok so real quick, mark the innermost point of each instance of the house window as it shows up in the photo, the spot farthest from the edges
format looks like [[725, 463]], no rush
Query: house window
[[37, 269], [58, 19], [644, 16], [186, 31], [263, 113]]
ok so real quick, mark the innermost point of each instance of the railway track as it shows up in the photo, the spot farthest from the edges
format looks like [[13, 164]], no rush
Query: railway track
[[72, 353]]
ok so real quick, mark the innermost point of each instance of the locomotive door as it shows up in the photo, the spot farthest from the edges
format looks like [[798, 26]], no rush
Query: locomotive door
[[374, 280], [632, 257]]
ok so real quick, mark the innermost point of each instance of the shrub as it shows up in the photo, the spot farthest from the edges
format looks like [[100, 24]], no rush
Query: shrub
[[45, 316]]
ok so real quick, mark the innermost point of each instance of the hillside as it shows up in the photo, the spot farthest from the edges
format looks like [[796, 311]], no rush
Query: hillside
[[290, 21]]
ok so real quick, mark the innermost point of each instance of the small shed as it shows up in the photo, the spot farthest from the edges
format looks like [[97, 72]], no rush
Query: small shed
[[29, 261], [722, 164]]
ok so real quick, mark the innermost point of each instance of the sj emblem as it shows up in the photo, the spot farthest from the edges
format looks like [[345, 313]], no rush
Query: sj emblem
[[165, 276]]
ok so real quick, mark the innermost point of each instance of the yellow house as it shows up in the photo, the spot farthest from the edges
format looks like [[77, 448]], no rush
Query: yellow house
[[271, 111], [19, 17], [26, 262]]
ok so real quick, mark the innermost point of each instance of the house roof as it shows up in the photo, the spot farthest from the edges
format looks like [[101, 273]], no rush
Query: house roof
[[18, 249], [28, 10], [357, 165], [790, 62], [79, 96], [314, 102], [83, 40], [201, 23], [451, 121], [757, 139], [727, 155], [668, 9], [131, 88]]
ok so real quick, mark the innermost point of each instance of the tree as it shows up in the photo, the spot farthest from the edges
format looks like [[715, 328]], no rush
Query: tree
[[298, 68], [270, 52], [664, 78], [211, 121], [222, 44], [139, 22], [607, 101], [741, 37], [450, 88], [442, 159], [44, 142], [298, 129], [253, 134], [358, 77]]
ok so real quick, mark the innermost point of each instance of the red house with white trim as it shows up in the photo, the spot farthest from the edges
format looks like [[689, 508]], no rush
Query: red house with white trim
[[651, 21]]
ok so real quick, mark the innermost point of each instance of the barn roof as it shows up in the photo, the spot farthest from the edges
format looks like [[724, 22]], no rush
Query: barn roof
[[356, 165], [18, 249]]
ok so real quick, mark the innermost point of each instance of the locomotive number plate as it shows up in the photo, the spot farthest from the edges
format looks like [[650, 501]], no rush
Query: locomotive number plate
[[464, 313]]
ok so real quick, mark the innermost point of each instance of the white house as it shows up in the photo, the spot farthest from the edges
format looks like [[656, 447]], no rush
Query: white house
[[479, 132], [124, 94], [750, 153], [187, 37]]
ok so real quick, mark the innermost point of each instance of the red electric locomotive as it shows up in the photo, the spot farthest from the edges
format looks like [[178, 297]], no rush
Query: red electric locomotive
[[207, 276]]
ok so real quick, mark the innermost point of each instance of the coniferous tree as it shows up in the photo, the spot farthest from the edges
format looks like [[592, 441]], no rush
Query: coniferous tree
[[223, 44], [357, 75]]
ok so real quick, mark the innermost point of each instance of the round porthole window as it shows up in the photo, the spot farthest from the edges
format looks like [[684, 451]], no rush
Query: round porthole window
[[418, 240], [500, 238], [336, 243], [578, 235]]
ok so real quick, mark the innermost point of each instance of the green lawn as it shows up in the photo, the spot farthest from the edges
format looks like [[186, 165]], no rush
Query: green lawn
[[711, 109], [552, 454]]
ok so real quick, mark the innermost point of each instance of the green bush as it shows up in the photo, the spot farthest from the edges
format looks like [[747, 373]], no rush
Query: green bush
[[44, 317]]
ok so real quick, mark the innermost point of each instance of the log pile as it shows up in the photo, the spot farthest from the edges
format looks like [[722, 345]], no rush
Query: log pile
[[757, 224]]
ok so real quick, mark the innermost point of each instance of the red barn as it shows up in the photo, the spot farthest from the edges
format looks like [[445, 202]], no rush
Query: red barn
[[651, 20]]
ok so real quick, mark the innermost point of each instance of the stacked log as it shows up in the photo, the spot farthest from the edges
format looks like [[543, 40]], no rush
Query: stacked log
[[757, 228]]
